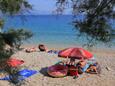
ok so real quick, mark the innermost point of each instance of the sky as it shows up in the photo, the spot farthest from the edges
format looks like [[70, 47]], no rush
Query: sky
[[44, 6]]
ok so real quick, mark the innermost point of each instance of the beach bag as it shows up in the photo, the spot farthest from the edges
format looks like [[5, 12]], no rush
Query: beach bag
[[73, 70]]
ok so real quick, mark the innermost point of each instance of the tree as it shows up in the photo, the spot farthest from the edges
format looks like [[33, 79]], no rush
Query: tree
[[13, 7], [96, 24], [13, 38]]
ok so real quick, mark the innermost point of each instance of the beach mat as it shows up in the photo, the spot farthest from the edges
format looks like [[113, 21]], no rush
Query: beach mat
[[21, 75]]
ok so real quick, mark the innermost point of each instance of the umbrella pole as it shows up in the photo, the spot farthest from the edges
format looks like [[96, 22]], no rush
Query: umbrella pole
[[67, 60]]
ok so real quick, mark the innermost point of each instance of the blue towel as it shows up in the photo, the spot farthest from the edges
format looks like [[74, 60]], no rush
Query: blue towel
[[85, 67], [53, 51], [23, 74]]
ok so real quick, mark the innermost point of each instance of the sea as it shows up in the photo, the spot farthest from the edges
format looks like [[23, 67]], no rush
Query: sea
[[51, 30]]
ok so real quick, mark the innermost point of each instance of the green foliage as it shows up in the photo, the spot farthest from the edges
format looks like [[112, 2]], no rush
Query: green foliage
[[1, 23], [15, 38], [12, 37], [97, 14], [14, 6], [4, 54]]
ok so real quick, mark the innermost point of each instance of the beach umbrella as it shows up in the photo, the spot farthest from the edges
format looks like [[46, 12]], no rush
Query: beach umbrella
[[77, 53]]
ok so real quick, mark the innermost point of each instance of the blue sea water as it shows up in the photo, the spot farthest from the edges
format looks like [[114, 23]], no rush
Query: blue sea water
[[47, 29]]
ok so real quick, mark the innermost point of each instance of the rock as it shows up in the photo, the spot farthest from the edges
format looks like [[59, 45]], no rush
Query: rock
[[108, 68]]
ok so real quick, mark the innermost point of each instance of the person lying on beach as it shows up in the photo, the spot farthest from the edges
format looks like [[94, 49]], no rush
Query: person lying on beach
[[94, 68], [29, 50], [82, 66], [43, 48]]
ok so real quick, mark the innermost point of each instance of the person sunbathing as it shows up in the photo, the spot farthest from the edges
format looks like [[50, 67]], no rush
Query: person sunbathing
[[94, 69], [82, 66], [42, 48], [29, 50]]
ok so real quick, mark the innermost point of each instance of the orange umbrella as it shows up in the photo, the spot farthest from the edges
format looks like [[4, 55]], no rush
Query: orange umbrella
[[77, 53]]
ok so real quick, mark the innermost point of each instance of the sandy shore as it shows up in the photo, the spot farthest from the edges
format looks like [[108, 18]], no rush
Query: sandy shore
[[41, 60]]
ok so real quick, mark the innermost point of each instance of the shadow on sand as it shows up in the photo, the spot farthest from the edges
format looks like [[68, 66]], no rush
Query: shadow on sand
[[44, 71]]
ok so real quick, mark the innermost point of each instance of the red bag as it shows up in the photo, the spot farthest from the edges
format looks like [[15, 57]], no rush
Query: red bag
[[73, 71]]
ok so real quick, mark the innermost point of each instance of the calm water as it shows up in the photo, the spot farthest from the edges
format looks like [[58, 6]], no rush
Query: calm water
[[47, 29]]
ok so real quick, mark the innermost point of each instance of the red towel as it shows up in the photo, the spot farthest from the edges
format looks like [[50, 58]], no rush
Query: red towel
[[14, 62]]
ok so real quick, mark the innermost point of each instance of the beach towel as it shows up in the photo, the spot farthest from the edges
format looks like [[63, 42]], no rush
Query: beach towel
[[85, 67], [53, 51], [14, 62], [82, 70], [21, 75]]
